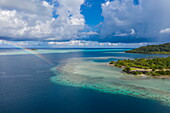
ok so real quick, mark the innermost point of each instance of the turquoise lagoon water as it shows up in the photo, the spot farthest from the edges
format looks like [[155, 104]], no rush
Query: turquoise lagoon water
[[95, 75], [77, 81]]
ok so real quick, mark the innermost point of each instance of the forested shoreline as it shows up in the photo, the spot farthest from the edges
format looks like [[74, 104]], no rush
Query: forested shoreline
[[151, 66], [152, 49]]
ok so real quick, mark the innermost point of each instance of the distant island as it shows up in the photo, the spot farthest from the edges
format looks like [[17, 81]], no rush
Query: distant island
[[32, 49], [158, 67], [152, 49]]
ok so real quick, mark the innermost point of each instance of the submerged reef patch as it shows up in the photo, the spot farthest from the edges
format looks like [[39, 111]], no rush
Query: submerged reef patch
[[94, 75]]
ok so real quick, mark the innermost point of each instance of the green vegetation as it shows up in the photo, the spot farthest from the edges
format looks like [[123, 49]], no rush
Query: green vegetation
[[33, 49], [154, 66], [152, 49]]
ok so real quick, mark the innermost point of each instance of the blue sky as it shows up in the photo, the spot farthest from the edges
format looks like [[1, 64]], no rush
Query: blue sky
[[119, 22], [92, 10]]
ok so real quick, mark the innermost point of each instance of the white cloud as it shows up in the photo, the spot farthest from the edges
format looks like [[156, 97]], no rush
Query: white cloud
[[88, 4], [132, 32], [33, 19], [125, 34], [94, 44], [167, 30], [28, 6], [147, 18], [68, 44], [89, 33], [19, 24], [106, 4]]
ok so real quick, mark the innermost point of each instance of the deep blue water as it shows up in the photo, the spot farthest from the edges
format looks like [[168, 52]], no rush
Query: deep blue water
[[25, 87]]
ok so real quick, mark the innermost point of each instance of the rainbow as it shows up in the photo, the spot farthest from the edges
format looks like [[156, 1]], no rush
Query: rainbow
[[31, 52]]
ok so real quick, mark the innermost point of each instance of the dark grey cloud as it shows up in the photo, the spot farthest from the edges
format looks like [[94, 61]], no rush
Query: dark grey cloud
[[148, 18]]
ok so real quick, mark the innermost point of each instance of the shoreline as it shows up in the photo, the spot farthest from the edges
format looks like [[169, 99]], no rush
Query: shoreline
[[149, 52], [91, 75], [141, 75]]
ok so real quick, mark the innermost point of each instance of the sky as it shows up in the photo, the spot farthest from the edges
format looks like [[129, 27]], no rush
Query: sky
[[84, 23]]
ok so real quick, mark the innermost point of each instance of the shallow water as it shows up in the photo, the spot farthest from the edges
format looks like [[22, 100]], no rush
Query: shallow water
[[23, 51], [33, 84], [98, 76]]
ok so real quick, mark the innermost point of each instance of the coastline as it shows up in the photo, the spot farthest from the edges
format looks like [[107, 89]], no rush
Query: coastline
[[149, 52], [142, 75], [152, 49], [154, 67], [91, 75]]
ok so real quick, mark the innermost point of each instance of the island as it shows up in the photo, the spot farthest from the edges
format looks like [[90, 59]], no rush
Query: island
[[158, 67], [152, 49], [33, 49]]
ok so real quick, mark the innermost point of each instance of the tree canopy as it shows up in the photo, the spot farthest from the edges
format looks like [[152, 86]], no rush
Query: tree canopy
[[154, 66], [152, 49]]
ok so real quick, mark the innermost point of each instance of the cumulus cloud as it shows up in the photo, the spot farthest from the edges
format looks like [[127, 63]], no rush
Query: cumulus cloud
[[89, 33], [94, 44], [14, 24], [147, 18], [27, 6], [21, 44], [167, 30], [131, 33], [34, 19], [68, 44]]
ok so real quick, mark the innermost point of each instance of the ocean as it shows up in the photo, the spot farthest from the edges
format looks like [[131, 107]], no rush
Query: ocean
[[76, 81]]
